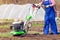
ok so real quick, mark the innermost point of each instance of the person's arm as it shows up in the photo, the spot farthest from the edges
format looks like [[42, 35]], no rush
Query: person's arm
[[55, 8], [52, 3], [41, 2]]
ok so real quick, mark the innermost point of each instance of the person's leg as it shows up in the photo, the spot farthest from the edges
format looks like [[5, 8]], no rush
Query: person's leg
[[53, 23], [46, 25], [46, 21]]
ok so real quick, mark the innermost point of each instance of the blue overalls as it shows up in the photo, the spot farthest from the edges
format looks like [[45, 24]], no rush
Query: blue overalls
[[49, 19]]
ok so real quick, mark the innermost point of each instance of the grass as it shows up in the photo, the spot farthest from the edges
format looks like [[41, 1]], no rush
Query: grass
[[4, 26], [6, 20], [37, 25], [7, 34]]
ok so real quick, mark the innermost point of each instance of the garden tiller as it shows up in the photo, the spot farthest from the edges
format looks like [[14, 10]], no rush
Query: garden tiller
[[18, 28]]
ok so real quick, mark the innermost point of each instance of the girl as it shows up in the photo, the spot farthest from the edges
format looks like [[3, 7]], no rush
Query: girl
[[49, 18]]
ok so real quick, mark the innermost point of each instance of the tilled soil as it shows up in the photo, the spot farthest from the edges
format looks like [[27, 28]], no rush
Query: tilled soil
[[33, 37], [3, 30], [30, 36]]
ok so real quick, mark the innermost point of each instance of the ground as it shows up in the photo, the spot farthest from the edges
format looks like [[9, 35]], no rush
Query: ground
[[6, 36], [4, 31]]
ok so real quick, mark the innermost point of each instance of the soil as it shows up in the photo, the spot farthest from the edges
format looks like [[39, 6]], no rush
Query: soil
[[30, 36]]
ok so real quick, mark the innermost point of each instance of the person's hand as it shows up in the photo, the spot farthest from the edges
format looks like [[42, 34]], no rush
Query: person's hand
[[42, 6], [38, 6], [34, 5]]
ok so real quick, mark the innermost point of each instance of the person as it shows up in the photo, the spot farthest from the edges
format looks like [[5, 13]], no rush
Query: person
[[49, 18]]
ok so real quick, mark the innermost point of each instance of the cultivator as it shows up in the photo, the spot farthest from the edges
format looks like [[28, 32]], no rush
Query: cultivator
[[19, 27]]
